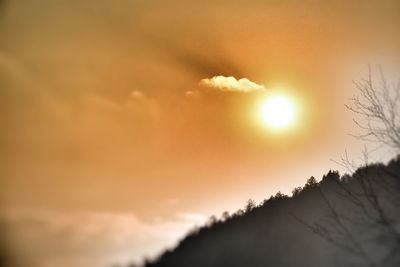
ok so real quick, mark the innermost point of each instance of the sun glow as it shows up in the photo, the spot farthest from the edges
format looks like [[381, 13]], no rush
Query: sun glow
[[278, 112]]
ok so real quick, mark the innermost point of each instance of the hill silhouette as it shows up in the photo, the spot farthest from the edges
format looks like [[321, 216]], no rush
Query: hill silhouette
[[339, 221]]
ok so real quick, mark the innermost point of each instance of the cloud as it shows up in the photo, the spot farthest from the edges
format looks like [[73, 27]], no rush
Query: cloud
[[231, 84], [84, 239], [137, 95], [193, 93]]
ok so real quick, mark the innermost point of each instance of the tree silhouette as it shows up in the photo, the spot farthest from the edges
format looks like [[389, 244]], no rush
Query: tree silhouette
[[296, 191], [250, 205], [311, 182], [225, 216], [373, 195]]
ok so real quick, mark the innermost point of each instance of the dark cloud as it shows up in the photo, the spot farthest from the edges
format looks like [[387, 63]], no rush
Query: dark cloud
[[212, 64], [211, 60]]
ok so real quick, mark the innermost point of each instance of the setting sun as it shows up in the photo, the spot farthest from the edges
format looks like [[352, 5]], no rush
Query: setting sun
[[278, 112]]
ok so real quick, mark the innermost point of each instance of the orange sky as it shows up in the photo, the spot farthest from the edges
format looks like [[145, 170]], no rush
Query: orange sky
[[97, 125]]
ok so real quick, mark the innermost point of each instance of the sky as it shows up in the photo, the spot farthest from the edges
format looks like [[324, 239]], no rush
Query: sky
[[126, 123]]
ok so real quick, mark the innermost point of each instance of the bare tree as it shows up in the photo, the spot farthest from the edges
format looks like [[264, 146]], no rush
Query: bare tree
[[378, 107], [374, 197]]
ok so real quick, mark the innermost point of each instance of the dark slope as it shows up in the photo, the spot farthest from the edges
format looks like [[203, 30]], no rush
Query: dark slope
[[281, 231]]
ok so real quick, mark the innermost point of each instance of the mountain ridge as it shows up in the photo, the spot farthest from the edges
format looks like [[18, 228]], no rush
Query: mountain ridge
[[289, 230]]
